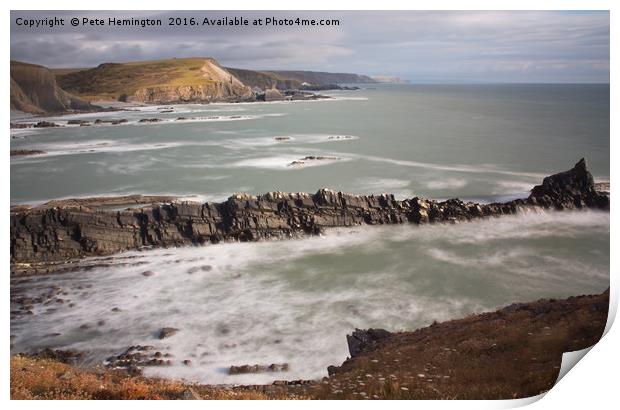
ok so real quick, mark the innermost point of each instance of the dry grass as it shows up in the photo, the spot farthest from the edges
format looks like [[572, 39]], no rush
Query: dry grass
[[112, 80], [44, 379], [512, 353]]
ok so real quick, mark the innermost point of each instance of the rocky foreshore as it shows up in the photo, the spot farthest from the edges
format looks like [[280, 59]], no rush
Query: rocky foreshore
[[26, 152], [513, 352], [62, 231]]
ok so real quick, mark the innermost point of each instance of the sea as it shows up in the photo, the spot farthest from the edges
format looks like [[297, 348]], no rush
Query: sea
[[295, 301]]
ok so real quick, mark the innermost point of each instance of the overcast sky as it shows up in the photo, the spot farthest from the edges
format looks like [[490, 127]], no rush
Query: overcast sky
[[421, 46]]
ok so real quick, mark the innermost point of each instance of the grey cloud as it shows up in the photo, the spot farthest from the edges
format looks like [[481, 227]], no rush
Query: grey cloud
[[528, 46]]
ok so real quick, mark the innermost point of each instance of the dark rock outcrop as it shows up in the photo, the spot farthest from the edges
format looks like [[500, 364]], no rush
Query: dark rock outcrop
[[20, 125], [78, 122], [58, 232], [99, 121], [312, 158], [363, 340], [286, 95], [45, 124], [571, 189], [496, 352], [134, 358], [167, 332], [26, 152], [257, 368]]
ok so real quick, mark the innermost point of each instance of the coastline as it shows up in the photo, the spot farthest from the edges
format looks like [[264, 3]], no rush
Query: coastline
[[111, 106], [179, 229], [513, 352]]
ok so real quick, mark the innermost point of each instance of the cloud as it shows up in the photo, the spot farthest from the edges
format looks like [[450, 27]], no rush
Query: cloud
[[423, 46]]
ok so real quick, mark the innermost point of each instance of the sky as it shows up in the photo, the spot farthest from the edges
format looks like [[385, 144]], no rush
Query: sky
[[419, 46]]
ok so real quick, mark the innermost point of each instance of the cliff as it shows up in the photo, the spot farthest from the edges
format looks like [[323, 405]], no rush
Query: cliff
[[389, 79], [34, 90], [322, 78], [187, 80], [264, 80], [176, 80], [59, 231], [285, 80]]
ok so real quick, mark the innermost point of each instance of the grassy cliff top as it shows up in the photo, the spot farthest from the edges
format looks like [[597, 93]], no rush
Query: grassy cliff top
[[111, 80]]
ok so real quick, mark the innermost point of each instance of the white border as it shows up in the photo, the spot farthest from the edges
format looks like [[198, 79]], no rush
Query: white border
[[591, 384]]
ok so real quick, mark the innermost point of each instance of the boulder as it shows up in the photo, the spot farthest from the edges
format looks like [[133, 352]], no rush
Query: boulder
[[365, 340], [257, 368], [167, 332], [45, 124]]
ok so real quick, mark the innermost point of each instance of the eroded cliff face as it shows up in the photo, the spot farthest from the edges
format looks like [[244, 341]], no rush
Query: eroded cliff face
[[34, 90], [216, 84], [57, 232], [211, 92]]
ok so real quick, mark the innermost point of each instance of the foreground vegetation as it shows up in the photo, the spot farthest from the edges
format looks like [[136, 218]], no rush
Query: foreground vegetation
[[514, 352], [49, 379]]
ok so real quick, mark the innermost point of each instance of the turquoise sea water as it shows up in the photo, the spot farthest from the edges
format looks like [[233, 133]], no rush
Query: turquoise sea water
[[437, 141], [294, 301]]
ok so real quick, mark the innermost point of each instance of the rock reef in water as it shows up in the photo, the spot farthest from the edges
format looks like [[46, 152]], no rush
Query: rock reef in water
[[64, 230], [257, 368], [26, 152]]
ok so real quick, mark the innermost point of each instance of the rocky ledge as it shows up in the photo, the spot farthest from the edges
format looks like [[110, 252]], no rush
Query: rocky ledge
[[66, 230], [25, 152], [513, 352]]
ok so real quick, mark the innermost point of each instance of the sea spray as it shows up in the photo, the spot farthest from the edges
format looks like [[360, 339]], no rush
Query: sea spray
[[294, 301]]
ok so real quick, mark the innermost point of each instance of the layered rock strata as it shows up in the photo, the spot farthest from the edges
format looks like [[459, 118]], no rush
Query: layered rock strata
[[60, 231]]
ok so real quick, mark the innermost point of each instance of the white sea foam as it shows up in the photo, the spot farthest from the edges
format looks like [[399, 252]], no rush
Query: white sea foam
[[284, 140], [342, 98], [530, 225], [132, 120], [482, 168], [318, 100], [446, 183], [240, 312], [376, 185], [97, 146], [215, 197], [513, 187], [186, 108], [22, 132], [285, 162], [294, 301]]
